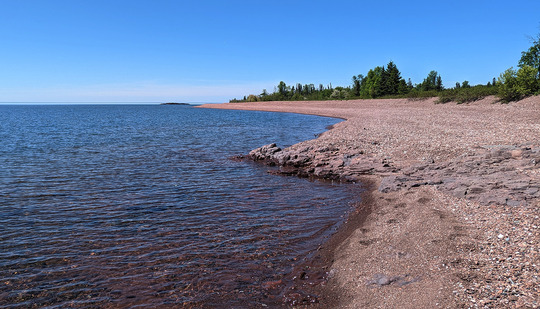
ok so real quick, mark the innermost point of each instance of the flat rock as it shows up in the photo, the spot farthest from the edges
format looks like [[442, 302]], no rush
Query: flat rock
[[493, 176]]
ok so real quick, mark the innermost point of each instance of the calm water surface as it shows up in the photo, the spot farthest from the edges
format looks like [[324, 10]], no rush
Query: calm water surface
[[126, 206]]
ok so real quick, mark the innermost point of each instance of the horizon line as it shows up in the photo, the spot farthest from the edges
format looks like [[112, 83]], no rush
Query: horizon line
[[101, 102]]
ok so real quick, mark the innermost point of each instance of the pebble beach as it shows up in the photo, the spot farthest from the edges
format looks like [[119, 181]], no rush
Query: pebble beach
[[452, 199]]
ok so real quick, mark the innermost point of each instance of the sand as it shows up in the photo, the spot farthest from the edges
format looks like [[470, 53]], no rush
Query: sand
[[453, 199]]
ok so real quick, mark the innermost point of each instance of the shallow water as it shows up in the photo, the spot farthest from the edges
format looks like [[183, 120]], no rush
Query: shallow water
[[122, 206]]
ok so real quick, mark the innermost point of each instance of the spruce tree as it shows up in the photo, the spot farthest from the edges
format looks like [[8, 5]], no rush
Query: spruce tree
[[432, 82], [393, 78], [439, 85]]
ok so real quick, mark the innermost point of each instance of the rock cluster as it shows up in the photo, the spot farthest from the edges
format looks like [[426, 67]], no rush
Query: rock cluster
[[324, 162]]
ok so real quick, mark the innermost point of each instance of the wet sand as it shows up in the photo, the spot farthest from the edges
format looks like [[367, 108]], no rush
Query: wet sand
[[454, 200]]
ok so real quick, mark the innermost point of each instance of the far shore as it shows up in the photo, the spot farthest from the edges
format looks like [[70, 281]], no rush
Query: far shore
[[454, 205]]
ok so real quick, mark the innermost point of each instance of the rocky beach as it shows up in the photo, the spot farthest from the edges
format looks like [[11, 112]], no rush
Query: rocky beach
[[451, 211]]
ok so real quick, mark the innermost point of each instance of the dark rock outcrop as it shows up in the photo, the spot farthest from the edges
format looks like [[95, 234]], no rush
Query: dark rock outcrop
[[321, 162], [494, 174], [265, 153]]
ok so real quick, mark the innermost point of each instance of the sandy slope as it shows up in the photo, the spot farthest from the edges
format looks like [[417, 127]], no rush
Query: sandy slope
[[455, 222]]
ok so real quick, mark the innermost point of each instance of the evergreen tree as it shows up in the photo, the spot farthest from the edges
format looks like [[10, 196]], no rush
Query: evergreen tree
[[439, 86], [357, 84], [383, 84], [403, 88], [432, 82], [409, 84], [391, 78]]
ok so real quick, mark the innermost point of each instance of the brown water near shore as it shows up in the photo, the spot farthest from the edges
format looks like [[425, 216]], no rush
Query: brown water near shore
[[306, 284], [454, 221]]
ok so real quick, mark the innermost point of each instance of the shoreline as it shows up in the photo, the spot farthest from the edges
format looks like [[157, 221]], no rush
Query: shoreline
[[454, 221]]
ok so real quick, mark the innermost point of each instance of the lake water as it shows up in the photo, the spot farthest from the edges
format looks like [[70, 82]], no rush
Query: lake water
[[141, 205]]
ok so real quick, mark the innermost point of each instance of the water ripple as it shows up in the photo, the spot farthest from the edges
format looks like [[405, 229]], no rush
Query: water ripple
[[123, 206]]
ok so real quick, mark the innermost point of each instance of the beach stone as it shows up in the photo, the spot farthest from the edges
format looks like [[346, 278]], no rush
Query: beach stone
[[383, 280]]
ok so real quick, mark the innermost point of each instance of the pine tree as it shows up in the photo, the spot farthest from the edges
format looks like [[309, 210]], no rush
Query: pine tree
[[432, 82], [393, 78], [383, 83], [403, 88], [439, 86]]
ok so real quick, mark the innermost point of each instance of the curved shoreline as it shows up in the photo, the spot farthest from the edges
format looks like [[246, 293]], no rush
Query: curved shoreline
[[453, 221]]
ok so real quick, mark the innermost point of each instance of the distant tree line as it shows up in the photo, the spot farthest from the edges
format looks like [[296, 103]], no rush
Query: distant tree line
[[387, 82], [298, 92], [382, 81]]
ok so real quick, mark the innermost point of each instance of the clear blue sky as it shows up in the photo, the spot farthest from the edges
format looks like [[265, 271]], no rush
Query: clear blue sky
[[214, 50]]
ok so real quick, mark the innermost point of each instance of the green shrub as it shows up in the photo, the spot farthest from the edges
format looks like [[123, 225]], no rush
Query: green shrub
[[252, 98], [508, 88], [340, 94], [526, 78], [516, 85], [466, 95], [297, 97], [416, 94]]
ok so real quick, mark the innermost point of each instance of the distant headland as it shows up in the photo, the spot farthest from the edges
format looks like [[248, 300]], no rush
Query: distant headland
[[174, 103]]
